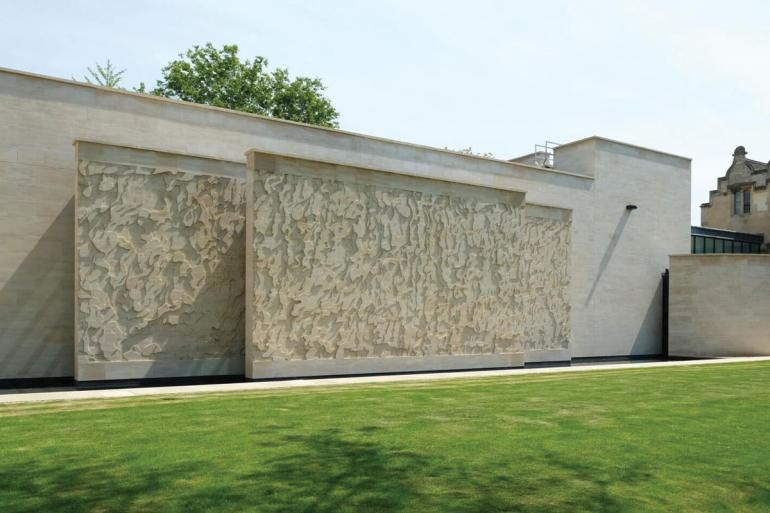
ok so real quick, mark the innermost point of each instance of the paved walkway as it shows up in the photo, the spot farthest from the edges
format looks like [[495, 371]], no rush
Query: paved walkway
[[70, 395]]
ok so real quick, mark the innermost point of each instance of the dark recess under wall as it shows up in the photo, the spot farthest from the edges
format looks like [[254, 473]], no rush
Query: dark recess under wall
[[69, 382]]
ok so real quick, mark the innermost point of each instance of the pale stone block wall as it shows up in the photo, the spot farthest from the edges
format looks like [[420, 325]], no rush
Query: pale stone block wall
[[620, 254], [616, 258], [356, 270], [719, 305], [159, 265]]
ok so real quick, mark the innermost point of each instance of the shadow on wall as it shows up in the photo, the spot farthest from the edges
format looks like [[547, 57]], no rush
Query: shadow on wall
[[608, 252], [37, 333], [651, 326], [196, 337], [37, 307], [649, 329]]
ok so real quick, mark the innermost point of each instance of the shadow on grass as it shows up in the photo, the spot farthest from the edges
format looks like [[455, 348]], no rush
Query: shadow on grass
[[328, 472], [320, 473], [325, 472], [71, 485]]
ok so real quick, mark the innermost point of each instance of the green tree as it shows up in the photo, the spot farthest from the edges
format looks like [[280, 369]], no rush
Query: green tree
[[218, 77], [106, 75]]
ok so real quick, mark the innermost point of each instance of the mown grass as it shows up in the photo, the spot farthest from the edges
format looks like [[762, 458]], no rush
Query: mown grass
[[684, 439]]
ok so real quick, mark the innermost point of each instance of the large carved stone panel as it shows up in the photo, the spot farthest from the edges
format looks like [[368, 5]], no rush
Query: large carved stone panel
[[159, 265], [352, 270]]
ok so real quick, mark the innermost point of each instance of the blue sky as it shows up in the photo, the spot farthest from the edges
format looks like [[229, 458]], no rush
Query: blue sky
[[690, 78]]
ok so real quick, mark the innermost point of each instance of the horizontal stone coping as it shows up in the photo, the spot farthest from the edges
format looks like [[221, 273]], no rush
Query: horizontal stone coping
[[107, 153], [353, 139], [371, 176], [548, 212]]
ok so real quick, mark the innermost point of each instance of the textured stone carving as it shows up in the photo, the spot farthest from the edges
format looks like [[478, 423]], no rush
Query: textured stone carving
[[542, 303], [344, 269], [160, 264]]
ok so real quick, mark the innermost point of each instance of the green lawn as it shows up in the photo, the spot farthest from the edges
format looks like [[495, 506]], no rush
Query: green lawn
[[681, 439]]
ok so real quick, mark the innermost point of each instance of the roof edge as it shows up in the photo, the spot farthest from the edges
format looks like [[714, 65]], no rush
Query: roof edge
[[96, 142], [615, 141], [386, 140]]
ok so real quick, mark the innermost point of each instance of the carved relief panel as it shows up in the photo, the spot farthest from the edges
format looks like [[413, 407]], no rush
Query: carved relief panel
[[349, 264], [159, 256]]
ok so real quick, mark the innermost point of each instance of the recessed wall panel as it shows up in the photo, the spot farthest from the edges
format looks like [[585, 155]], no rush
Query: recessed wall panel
[[352, 270], [159, 265]]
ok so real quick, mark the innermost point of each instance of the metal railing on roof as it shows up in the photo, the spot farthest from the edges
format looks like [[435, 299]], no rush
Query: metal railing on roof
[[544, 154]]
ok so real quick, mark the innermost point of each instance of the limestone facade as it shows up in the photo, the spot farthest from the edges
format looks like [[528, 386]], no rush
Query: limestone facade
[[354, 264], [615, 260], [718, 305]]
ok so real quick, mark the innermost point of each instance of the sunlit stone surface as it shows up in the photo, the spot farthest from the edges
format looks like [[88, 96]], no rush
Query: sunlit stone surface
[[350, 264]]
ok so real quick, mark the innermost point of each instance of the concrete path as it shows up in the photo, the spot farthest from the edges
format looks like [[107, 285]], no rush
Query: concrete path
[[70, 395]]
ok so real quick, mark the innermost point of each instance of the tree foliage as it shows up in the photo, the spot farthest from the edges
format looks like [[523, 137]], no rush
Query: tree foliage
[[218, 77], [106, 75]]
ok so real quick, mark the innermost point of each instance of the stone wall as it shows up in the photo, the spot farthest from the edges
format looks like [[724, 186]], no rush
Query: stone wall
[[743, 175], [719, 304], [159, 262], [616, 257], [719, 212], [620, 254], [353, 270]]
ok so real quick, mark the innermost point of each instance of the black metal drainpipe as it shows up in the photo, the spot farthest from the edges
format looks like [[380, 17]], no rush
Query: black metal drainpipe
[[664, 334]]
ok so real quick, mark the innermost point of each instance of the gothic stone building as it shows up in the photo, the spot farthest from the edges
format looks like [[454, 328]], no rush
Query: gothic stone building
[[740, 202]]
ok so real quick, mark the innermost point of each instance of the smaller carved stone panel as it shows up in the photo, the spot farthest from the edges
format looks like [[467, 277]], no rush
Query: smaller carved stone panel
[[345, 269], [159, 264], [543, 305]]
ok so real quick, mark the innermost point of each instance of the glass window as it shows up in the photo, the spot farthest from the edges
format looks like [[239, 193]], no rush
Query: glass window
[[737, 202], [755, 248], [728, 246], [698, 245], [746, 202], [709, 247], [719, 246]]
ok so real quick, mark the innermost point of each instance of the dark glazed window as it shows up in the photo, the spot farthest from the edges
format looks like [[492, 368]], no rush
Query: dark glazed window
[[746, 202], [698, 245]]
